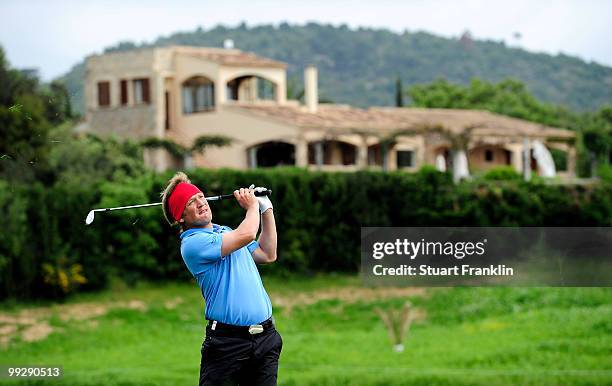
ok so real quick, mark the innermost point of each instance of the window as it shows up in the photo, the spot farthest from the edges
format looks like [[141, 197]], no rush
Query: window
[[266, 90], [124, 92], [103, 94], [405, 158], [489, 155], [167, 110], [141, 91], [198, 95], [242, 89]]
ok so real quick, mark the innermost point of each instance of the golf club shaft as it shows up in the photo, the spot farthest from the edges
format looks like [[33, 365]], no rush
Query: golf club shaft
[[211, 198], [128, 207], [226, 196], [266, 192]]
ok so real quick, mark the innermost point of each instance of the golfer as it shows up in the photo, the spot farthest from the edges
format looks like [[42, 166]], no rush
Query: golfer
[[242, 346]]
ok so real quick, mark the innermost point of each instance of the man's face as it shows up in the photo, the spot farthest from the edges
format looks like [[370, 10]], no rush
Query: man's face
[[197, 213]]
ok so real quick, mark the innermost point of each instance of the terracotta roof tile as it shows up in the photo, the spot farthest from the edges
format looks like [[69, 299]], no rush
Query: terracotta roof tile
[[342, 118], [229, 57]]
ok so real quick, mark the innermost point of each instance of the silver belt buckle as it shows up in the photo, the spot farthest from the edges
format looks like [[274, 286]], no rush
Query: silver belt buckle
[[255, 329]]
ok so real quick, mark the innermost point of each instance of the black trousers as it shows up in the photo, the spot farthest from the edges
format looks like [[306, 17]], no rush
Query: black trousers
[[230, 358]]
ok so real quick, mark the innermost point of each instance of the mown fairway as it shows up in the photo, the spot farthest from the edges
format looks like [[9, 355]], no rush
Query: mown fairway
[[151, 335]]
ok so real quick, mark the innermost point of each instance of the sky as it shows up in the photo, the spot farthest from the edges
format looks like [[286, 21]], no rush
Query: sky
[[54, 35]]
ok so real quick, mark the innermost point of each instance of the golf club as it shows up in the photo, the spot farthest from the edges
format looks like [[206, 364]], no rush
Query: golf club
[[90, 216]]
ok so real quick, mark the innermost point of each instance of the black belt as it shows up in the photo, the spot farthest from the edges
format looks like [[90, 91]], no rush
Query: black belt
[[231, 329]]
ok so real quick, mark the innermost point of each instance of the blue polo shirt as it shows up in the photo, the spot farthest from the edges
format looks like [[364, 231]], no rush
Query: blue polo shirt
[[231, 285]]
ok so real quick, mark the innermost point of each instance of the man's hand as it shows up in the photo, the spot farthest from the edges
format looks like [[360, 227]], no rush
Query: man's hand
[[247, 230], [264, 201], [266, 253], [246, 198]]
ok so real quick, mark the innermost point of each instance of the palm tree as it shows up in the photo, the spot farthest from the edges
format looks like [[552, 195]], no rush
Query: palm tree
[[388, 142], [458, 145], [200, 144], [203, 142]]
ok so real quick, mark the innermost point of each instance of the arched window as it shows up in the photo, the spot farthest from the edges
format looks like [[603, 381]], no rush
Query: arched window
[[249, 88], [198, 95], [332, 153], [273, 153]]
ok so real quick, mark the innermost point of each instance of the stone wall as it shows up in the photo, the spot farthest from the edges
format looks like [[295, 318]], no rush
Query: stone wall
[[125, 122]]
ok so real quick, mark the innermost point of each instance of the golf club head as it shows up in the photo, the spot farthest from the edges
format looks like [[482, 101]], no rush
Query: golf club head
[[90, 217]]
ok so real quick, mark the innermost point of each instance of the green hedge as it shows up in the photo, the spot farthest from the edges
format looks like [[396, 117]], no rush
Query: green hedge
[[318, 215]]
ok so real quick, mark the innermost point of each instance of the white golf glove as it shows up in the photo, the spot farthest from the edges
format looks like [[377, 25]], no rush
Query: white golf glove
[[264, 201]]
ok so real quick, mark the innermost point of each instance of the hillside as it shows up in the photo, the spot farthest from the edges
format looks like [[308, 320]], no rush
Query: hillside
[[360, 66]]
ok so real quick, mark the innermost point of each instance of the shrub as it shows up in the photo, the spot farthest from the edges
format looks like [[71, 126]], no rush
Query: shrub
[[605, 173], [501, 173], [318, 216]]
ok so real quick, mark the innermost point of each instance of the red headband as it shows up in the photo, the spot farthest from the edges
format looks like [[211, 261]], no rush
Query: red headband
[[179, 197]]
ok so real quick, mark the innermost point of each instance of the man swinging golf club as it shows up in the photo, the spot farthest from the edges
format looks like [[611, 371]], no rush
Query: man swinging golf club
[[242, 346]]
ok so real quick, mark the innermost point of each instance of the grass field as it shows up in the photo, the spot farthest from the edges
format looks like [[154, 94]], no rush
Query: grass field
[[151, 335]]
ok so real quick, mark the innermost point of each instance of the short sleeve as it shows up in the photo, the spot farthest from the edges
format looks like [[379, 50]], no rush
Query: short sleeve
[[253, 245], [201, 249]]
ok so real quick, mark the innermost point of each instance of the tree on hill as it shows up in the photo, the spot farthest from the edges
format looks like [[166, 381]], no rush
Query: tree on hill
[[359, 66], [510, 97], [399, 93], [597, 138]]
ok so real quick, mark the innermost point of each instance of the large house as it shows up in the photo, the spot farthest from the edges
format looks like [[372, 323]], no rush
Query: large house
[[181, 93]]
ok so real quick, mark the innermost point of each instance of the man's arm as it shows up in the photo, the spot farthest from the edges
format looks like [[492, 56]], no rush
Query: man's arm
[[247, 230], [266, 253]]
